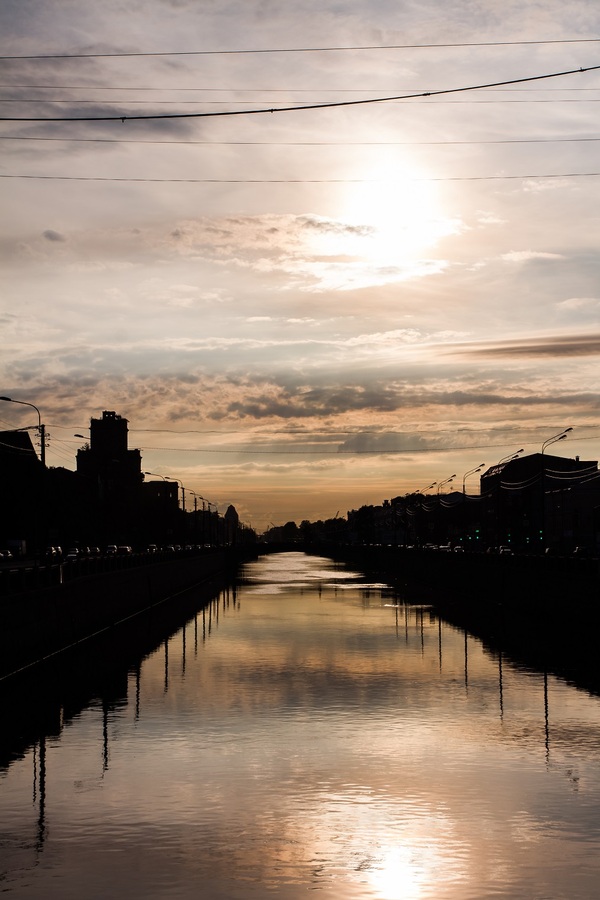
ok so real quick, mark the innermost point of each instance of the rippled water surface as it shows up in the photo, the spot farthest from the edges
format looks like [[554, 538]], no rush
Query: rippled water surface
[[308, 733]]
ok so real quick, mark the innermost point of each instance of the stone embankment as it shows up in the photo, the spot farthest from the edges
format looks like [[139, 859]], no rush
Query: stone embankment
[[467, 579], [45, 612], [543, 611]]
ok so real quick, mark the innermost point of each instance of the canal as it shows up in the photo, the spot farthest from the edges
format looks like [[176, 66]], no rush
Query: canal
[[304, 731]]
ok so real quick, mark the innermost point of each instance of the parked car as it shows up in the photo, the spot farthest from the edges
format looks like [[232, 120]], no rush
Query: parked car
[[124, 550], [72, 554], [111, 550]]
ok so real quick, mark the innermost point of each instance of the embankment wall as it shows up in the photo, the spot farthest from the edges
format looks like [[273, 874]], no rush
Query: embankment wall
[[35, 624]]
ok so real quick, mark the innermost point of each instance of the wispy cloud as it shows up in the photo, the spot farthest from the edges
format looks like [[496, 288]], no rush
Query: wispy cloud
[[552, 346]]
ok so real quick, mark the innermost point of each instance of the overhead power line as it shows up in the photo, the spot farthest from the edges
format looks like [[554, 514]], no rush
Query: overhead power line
[[570, 140], [299, 180], [126, 54], [40, 101], [299, 107], [221, 90]]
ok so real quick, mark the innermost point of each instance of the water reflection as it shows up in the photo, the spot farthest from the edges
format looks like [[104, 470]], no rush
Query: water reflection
[[306, 730]]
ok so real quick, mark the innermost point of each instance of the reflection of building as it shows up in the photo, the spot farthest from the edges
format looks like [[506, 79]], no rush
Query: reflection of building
[[113, 474]]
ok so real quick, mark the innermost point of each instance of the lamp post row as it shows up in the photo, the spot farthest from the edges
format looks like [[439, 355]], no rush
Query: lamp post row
[[42, 432]]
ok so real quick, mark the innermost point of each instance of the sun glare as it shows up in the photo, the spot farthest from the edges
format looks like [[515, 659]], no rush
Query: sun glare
[[398, 214], [398, 876]]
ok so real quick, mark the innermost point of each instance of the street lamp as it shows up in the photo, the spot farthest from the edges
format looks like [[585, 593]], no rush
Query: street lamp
[[429, 486], [557, 437], [552, 440], [41, 428], [510, 457], [472, 472], [182, 490], [447, 481], [154, 474]]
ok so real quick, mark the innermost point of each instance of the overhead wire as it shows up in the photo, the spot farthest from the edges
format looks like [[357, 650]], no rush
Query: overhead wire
[[70, 140], [300, 107], [131, 180], [239, 90], [77, 101], [328, 49]]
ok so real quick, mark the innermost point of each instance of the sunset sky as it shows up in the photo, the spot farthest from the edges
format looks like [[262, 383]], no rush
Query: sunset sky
[[301, 311]]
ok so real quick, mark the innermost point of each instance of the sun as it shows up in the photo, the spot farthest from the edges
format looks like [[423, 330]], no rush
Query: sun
[[399, 211]]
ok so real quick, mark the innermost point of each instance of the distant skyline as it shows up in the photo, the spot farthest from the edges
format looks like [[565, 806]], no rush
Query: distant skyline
[[304, 311]]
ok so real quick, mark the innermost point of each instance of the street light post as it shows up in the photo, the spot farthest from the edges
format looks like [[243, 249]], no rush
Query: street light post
[[508, 458], [551, 440], [180, 483], [447, 481], [195, 496], [40, 520], [464, 490], [41, 427], [471, 472], [557, 437]]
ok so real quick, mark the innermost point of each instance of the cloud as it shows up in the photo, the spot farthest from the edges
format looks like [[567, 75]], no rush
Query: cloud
[[557, 346], [527, 255], [51, 235], [579, 304]]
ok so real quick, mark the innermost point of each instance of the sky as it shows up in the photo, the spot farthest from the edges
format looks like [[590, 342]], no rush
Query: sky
[[301, 311]]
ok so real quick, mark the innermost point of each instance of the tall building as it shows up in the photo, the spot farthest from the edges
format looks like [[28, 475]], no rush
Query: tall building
[[112, 475]]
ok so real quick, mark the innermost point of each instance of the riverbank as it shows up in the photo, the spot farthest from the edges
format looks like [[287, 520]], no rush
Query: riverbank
[[543, 612], [38, 623]]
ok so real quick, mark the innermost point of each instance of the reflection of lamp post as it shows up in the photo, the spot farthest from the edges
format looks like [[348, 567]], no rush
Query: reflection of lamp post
[[472, 472], [41, 428]]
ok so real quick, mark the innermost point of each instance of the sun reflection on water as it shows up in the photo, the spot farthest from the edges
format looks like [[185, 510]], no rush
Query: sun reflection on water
[[399, 875]]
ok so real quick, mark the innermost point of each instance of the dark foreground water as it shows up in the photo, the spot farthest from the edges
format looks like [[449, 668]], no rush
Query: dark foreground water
[[302, 735]]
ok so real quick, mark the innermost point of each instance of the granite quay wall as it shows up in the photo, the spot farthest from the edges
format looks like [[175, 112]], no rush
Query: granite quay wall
[[39, 621], [543, 612], [475, 578]]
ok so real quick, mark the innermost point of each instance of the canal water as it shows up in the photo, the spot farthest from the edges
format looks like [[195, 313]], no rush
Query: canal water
[[305, 733]]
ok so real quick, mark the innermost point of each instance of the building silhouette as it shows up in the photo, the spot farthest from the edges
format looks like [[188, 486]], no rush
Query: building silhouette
[[541, 503], [111, 477], [22, 503]]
